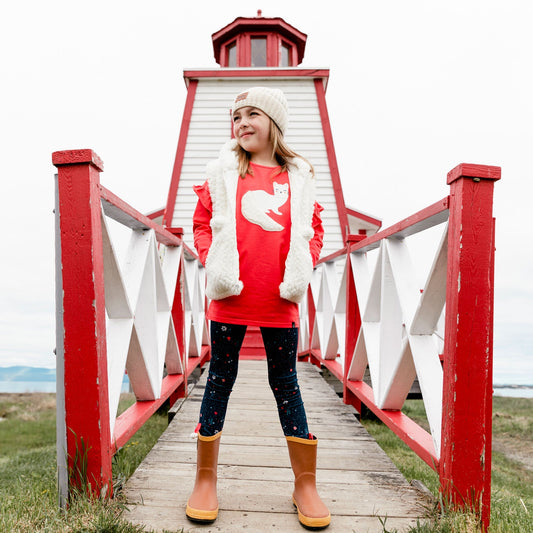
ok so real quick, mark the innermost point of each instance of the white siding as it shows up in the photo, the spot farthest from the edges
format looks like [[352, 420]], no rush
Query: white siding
[[210, 127]]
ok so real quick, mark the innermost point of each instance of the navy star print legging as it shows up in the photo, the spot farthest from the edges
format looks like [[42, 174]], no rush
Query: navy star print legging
[[280, 346]]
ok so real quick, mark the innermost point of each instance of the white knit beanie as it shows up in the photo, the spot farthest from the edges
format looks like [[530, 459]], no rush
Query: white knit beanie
[[270, 101]]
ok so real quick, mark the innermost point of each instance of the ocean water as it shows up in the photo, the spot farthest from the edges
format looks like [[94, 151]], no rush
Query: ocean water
[[514, 392], [27, 386], [37, 386]]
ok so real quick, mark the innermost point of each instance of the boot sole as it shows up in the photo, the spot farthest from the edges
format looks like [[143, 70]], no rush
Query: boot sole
[[201, 517], [311, 523]]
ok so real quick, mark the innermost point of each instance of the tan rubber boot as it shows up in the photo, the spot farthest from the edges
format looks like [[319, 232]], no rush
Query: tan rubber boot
[[203, 502], [312, 513]]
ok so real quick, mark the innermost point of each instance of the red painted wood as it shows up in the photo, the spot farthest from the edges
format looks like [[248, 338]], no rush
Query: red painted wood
[[356, 237], [333, 366], [191, 75], [252, 344], [155, 214], [178, 315], [485, 511], [332, 158], [85, 363], [273, 45], [180, 153], [74, 157], [304, 354], [131, 420], [311, 310], [162, 235], [362, 216], [404, 228], [241, 28], [315, 358], [417, 438], [467, 393], [251, 357], [353, 326], [244, 50], [332, 257], [467, 170], [178, 320]]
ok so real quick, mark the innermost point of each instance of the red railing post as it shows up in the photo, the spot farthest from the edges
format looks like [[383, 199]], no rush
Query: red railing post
[[83, 310], [311, 311], [178, 312], [465, 464], [353, 325]]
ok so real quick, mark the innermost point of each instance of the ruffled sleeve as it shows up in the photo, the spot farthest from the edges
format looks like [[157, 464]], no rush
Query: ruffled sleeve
[[316, 242], [201, 221]]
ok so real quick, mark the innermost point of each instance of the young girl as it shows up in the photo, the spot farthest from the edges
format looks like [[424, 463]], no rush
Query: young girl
[[257, 230]]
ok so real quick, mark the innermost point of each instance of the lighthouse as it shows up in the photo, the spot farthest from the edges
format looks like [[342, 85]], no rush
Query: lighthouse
[[260, 51]]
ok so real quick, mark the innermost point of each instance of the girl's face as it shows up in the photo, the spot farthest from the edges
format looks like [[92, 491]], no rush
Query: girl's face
[[251, 128]]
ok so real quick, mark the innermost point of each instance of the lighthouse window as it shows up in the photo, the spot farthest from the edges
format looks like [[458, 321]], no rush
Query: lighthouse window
[[232, 55], [285, 56], [259, 52]]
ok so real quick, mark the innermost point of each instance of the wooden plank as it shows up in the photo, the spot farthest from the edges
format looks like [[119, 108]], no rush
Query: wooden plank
[[263, 457], [321, 418], [154, 474], [356, 479], [231, 521], [260, 496], [268, 440]]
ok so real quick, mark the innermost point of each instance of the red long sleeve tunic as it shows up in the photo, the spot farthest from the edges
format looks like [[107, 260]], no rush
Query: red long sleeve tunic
[[263, 223]]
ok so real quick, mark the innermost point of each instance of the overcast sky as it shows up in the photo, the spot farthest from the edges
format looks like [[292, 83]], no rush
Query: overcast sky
[[416, 87]]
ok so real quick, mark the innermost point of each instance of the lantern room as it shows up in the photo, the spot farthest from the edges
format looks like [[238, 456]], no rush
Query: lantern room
[[259, 42]]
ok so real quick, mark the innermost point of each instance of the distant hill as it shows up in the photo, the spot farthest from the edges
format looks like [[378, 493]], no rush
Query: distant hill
[[27, 373]]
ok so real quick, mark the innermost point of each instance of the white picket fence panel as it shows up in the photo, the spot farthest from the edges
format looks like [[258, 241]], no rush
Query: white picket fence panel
[[401, 335], [140, 332]]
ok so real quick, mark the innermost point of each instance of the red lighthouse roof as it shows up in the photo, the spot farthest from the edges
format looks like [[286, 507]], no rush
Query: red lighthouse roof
[[275, 43]]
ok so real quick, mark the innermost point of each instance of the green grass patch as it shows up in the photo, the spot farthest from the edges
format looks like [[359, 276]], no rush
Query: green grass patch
[[512, 470], [26, 423], [28, 492]]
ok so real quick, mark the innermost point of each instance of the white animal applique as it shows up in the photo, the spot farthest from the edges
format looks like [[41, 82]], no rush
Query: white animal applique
[[255, 206]]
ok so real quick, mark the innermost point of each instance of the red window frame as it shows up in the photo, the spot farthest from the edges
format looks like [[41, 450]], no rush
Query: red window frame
[[244, 50]]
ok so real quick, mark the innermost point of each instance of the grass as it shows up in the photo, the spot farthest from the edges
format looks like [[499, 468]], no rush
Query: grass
[[512, 469], [28, 493]]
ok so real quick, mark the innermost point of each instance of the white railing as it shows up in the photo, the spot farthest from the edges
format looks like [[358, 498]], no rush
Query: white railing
[[142, 315], [401, 334]]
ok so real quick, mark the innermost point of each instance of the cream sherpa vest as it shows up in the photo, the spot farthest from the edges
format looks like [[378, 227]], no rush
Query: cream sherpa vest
[[222, 263]]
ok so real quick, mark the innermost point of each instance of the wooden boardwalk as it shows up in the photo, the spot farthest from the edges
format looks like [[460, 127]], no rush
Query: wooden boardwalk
[[355, 478]]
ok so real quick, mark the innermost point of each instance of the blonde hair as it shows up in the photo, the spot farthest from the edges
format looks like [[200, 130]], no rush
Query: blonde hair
[[281, 152]]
